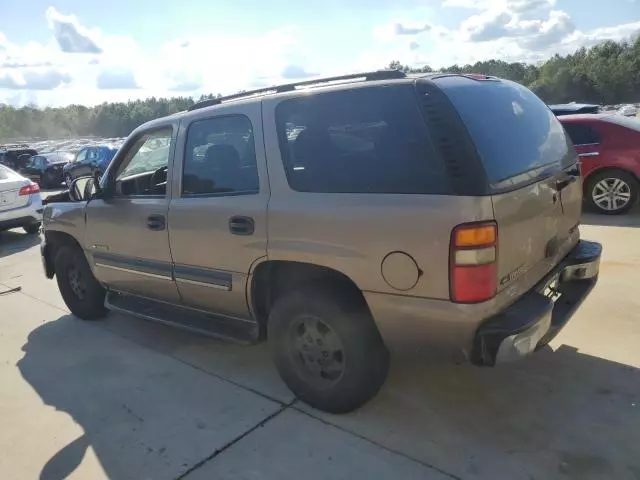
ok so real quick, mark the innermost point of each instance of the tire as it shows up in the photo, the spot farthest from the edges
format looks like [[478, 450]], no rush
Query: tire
[[80, 290], [606, 181], [68, 180], [355, 367], [33, 229]]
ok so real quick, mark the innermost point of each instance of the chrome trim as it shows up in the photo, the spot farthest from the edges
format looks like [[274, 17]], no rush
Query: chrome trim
[[586, 144], [203, 284], [589, 154], [135, 272]]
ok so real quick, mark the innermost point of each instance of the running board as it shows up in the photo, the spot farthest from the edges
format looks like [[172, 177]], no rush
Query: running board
[[230, 329]]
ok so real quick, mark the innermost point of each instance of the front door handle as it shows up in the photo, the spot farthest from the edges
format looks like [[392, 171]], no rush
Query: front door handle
[[239, 225], [156, 222]]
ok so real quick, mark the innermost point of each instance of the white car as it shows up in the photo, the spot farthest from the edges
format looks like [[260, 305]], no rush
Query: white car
[[628, 110], [20, 202]]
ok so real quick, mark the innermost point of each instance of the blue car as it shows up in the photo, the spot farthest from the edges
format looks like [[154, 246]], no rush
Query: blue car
[[89, 161]]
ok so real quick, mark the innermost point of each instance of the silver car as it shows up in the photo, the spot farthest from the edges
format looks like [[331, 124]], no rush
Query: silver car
[[20, 202]]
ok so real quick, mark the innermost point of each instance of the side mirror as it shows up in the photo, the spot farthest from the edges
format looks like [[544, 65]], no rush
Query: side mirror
[[82, 189]]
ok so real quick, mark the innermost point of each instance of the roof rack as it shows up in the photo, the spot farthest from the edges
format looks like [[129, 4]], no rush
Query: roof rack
[[289, 87]]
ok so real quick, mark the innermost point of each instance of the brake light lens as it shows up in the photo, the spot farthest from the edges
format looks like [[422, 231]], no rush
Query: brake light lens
[[473, 270], [29, 189]]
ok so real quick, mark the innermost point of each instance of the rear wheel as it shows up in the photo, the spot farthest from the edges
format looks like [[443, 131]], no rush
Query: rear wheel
[[327, 348], [79, 288], [33, 228], [612, 192], [68, 180]]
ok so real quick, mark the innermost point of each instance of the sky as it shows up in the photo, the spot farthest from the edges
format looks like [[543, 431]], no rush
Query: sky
[[55, 53]]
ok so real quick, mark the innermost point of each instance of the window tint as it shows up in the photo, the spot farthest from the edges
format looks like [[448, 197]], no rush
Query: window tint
[[365, 140], [144, 168], [513, 130], [581, 134], [220, 157]]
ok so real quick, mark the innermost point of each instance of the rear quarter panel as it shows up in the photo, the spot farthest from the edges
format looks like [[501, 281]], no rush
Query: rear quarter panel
[[353, 233]]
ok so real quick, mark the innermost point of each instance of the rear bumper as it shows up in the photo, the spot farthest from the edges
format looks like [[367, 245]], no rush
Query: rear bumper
[[537, 317], [22, 216]]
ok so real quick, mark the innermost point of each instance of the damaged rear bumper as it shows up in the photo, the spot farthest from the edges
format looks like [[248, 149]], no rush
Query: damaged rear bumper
[[537, 317]]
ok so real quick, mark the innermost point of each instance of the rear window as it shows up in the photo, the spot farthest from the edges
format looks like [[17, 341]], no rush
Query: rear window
[[513, 130], [582, 134], [364, 140]]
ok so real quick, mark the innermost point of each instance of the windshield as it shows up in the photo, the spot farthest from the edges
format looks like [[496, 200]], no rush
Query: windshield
[[523, 133]]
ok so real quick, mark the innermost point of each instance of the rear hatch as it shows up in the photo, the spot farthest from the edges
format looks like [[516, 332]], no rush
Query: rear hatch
[[10, 185], [531, 172]]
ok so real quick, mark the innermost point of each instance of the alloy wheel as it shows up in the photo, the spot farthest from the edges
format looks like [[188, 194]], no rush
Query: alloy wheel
[[611, 194]]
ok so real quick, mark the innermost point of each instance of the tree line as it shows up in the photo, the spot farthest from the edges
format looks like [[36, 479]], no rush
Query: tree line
[[607, 74]]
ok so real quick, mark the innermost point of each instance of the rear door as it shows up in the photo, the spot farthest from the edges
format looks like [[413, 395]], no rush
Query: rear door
[[218, 213], [532, 172]]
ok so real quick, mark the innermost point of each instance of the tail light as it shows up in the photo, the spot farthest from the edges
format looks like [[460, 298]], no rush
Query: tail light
[[473, 274], [29, 189]]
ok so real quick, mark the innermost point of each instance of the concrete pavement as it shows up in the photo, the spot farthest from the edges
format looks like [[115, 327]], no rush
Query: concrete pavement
[[125, 398]]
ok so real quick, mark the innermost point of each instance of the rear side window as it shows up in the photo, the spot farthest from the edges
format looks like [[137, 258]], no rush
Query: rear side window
[[513, 130], [220, 157], [582, 134], [365, 140]]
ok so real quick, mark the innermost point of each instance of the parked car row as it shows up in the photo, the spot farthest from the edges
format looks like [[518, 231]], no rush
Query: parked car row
[[50, 170]]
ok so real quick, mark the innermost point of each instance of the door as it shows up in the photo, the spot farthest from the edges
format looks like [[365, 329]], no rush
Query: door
[[586, 141], [82, 165], [127, 236], [34, 168], [217, 217]]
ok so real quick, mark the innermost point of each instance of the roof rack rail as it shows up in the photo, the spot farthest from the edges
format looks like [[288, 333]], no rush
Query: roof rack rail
[[288, 87]]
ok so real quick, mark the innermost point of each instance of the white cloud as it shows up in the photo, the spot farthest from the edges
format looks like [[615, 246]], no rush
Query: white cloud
[[33, 79], [72, 37]]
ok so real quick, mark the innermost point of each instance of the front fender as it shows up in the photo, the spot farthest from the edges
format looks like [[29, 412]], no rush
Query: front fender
[[65, 217]]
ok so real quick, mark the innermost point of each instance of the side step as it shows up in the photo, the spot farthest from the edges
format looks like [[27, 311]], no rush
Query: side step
[[230, 329]]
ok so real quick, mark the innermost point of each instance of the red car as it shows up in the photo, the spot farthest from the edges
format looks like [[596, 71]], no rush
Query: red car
[[609, 149]]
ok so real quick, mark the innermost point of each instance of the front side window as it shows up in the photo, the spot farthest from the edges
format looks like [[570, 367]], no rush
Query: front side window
[[369, 140], [144, 168], [81, 155], [220, 157]]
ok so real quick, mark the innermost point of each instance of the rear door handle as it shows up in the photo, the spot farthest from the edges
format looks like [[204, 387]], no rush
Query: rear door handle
[[156, 222], [239, 225], [589, 154]]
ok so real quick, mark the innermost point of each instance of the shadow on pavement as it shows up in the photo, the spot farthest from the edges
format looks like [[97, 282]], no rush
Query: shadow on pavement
[[562, 414], [143, 414], [630, 220], [14, 241]]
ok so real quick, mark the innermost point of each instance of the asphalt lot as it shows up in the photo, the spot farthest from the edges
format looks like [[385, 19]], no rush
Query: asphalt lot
[[124, 398]]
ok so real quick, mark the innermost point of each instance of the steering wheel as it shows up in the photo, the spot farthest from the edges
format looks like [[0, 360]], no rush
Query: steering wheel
[[158, 178]]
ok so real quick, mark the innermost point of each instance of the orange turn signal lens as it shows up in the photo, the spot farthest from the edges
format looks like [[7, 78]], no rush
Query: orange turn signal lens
[[475, 235]]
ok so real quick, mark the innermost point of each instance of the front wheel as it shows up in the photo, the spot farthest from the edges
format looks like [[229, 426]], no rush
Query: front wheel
[[327, 348], [80, 290], [612, 192]]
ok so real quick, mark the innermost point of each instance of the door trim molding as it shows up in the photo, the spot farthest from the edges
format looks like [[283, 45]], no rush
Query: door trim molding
[[146, 268], [203, 277]]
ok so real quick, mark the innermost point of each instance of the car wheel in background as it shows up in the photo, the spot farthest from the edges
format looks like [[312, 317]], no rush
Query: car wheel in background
[[68, 180], [33, 229], [612, 192], [80, 290]]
